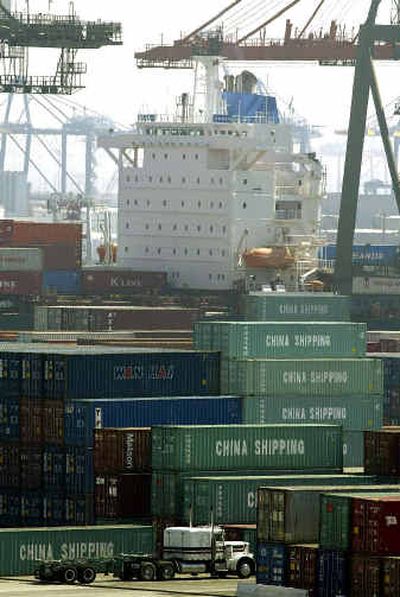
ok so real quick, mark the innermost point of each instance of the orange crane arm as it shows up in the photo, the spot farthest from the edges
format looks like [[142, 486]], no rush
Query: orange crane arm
[[210, 21], [310, 20], [276, 16]]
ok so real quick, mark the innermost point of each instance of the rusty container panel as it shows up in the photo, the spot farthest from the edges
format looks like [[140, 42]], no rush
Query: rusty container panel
[[391, 576], [10, 466], [381, 452], [375, 525], [120, 281], [53, 422], [143, 318], [20, 283], [31, 460], [122, 450], [31, 421], [365, 576], [302, 566], [39, 232], [123, 496]]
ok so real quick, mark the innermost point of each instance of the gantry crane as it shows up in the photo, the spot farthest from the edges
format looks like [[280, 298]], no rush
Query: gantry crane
[[364, 81], [331, 47], [68, 33]]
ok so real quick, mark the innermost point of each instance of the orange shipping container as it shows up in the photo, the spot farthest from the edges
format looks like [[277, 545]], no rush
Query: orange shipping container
[[29, 233]]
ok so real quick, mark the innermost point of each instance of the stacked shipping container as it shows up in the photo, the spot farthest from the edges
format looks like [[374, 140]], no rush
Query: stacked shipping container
[[299, 372]]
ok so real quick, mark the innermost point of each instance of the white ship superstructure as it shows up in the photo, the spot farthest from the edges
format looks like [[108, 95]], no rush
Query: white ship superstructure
[[198, 191]]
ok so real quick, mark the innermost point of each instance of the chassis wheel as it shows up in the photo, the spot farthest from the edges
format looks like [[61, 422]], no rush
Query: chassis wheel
[[147, 571], [68, 575], [86, 575], [166, 572]]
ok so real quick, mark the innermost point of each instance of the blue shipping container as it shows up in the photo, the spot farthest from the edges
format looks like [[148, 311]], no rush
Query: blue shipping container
[[79, 475], [53, 473], [332, 573], [82, 416], [89, 372], [10, 509], [32, 375], [365, 254], [61, 282], [9, 420], [54, 510], [10, 374], [79, 510], [272, 564]]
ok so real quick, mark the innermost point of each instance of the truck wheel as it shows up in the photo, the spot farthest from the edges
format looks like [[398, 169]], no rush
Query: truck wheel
[[86, 575], [245, 568], [147, 571], [166, 572], [222, 574], [68, 575]]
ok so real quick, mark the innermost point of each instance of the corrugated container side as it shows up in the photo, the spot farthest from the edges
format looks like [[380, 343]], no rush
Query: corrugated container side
[[332, 573], [29, 259], [9, 420], [132, 374], [365, 576], [351, 412], [10, 508], [237, 339], [32, 373], [79, 475], [10, 374], [391, 576], [79, 509], [237, 447], [31, 508], [353, 449], [20, 283], [232, 497], [335, 521], [31, 467], [53, 510], [381, 452], [302, 566], [123, 496], [292, 514], [53, 422], [272, 564], [82, 416], [308, 377], [31, 421], [20, 549], [10, 466], [296, 307], [62, 282], [375, 525], [122, 450], [119, 281], [53, 472]]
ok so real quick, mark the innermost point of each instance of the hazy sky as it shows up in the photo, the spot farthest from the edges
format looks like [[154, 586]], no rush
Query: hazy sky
[[116, 87]]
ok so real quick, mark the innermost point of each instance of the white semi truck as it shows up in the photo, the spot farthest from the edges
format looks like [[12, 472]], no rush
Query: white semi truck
[[186, 550]]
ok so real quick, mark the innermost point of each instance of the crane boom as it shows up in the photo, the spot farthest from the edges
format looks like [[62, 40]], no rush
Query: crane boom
[[210, 21], [270, 20]]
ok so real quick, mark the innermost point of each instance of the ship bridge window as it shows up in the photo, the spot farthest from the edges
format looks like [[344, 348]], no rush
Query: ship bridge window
[[244, 205], [198, 180], [196, 156], [159, 251], [288, 210], [127, 225], [160, 227], [148, 203], [127, 202], [126, 249], [164, 203], [147, 226], [169, 179], [199, 204], [183, 179], [150, 179], [198, 228], [153, 155], [220, 205], [165, 156], [135, 202], [161, 179], [184, 156], [175, 227]]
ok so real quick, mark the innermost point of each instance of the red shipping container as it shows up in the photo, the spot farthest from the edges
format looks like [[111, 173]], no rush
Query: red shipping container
[[31, 421], [365, 576], [30, 233], [53, 422], [121, 281], [123, 496], [302, 567], [381, 452], [10, 466], [143, 318], [31, 468], [391, 577], [376, 525], [20, 283], [122, 450]]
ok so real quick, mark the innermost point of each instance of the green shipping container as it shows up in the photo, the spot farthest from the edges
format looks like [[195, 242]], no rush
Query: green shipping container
[[233, 499], [292, 514], [170, 491], [21, 548], [353, 449], [335, 518], [253, 447], [352, 412], [300, 306], [238, 339], [308, 377]]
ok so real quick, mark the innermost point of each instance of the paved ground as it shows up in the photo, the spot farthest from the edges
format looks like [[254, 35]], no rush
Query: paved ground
[[106, 587]]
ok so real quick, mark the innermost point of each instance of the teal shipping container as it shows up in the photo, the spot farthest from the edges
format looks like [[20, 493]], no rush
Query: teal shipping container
[[21, 548], [308, 377], [231, 498], [352, 412], [292, 306], [353, 448], [239, 339], [252, 447]]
